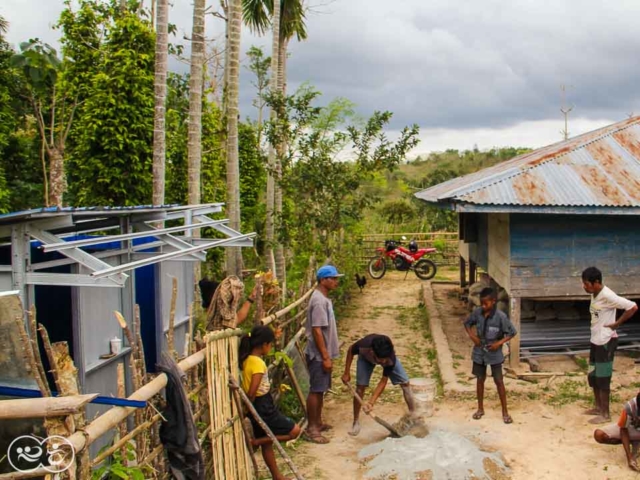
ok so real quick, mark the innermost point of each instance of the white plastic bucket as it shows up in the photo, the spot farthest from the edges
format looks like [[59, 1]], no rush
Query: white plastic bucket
[[424, 393]]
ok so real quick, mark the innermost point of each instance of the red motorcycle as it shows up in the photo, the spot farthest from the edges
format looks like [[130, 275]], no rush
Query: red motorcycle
[[403, 259]]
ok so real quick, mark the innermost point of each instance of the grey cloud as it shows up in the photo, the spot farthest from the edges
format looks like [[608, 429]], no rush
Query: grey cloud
[[449, 64]]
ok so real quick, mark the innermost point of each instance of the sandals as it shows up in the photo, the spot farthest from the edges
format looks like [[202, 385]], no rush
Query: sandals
[[316, 438], [325, 427], [507, 419], [478, 415]]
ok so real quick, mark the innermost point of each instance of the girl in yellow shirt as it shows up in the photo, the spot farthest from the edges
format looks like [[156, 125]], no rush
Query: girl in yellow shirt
[[255, 383]]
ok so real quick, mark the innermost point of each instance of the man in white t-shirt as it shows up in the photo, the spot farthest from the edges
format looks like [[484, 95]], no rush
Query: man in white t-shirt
[[604, 338]]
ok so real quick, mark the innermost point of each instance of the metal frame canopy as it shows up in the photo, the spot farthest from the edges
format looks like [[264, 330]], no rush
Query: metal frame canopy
[[51, 226]]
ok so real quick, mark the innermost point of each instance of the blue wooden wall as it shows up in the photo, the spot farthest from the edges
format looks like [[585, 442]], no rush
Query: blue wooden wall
[[549, 253]]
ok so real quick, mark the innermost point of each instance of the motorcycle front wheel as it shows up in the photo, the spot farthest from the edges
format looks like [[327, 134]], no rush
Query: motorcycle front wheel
[[425, 269], [377, 267]]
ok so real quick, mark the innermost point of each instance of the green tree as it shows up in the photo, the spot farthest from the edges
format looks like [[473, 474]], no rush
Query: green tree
[[8, 120], [327, 186], [111, 149], [212, 172], [259, 66], [52, 108]]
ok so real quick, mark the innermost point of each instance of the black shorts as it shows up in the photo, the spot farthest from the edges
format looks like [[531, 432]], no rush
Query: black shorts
[[480, 370], [319, 380], [276, 421], [601, 364]]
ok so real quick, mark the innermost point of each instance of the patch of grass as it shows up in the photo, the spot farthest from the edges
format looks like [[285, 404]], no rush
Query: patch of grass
[[583, 363], [457, 356], [569, 391], [533, 395]]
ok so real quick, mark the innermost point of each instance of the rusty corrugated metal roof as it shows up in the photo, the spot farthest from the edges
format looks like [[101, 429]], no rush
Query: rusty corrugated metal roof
[[597, 169]]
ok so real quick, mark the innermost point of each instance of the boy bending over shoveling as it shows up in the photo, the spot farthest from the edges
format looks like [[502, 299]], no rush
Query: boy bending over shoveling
[[492, 330], [375, 350]]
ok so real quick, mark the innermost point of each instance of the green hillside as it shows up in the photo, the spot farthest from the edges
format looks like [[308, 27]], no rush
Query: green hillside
[[398, 210]]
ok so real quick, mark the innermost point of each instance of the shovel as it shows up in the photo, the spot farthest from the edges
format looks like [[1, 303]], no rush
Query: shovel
[[393, 431]]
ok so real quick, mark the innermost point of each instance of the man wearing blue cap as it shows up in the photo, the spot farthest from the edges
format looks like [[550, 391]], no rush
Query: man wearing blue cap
[[322, 348]]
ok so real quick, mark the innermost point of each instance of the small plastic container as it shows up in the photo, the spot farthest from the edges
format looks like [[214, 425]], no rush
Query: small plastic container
[[116, 345]]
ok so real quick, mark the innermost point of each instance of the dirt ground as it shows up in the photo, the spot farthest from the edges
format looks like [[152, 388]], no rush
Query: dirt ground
[[550, 437]]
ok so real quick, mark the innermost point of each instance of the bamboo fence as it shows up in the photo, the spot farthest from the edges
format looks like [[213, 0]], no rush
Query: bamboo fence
[[446, 242], [228, 446], [217, 410]]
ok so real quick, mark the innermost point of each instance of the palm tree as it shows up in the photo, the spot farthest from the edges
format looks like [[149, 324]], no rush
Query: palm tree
[[234, 257], [291, 24], [286, 21], [194, 146], [160, 83], [272, 167]]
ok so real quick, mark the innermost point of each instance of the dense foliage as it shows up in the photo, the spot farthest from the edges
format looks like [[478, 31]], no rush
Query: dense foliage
[[341, 175]]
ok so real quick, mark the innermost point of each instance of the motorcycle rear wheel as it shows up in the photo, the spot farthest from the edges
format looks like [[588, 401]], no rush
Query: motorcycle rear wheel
[[377, 267], [425, 269]]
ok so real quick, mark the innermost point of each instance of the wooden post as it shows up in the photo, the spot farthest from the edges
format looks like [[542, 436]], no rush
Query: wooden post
[[472, 272], [514, 343], [463, 272], [172, 318], [122, 393]]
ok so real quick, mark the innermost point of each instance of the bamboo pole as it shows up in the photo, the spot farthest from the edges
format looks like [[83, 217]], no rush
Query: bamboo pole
[[152, 456], [265, 427], [221, 352], [259, 303], [33, 337], [137, 327], [297, 316], [136, 375], [29, 358], [44, 335], [187, 346], [296, 387], [123, 440], [43, 407], [267, 320], [122, 429], [172, 317], [133, 344], [245, 455]]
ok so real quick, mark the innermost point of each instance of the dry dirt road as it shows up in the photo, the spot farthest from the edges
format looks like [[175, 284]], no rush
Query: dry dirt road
[[545, 441]]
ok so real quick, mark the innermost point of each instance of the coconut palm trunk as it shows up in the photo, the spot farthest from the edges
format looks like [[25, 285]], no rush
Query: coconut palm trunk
[[272, 166], [196, 79], [234, 257], [160, 88], [281, 266]]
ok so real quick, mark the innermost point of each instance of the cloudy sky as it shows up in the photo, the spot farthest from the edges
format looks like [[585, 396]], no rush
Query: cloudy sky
[[476, 72]]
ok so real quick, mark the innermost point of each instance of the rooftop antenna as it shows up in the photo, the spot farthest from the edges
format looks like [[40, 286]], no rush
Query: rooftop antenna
[[565, 111]]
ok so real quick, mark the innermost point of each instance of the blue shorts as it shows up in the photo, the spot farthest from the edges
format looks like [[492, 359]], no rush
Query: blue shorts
[[319, 380], [364, 370]]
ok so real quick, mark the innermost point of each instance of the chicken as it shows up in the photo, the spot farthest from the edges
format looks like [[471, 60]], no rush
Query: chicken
[[361, 281]]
